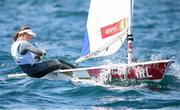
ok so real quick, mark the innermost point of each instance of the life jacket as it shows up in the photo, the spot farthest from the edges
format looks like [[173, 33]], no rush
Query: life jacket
[[28, 58]]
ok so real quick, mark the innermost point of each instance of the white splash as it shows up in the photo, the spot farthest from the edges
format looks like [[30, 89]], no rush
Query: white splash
[[155, 57], [175, 70], [125, 88], [105, 76]]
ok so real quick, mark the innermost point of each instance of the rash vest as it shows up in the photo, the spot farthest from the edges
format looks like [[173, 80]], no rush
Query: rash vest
[[28, 58]]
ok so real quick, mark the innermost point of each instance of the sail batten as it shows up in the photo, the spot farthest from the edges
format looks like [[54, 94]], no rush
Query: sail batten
[[107, 27]]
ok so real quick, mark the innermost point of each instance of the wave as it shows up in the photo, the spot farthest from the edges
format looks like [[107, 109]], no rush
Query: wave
[[141, 104]]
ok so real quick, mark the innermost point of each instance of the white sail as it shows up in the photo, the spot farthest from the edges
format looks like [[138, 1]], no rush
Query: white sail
[[107, 27]]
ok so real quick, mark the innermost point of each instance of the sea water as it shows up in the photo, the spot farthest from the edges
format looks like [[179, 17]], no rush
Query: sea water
[[60, 27]]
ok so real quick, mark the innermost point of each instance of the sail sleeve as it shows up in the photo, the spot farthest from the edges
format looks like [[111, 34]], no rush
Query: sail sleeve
[[107, 26]]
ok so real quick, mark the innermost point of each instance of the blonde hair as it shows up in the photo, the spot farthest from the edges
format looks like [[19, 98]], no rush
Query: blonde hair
[[16, 34]]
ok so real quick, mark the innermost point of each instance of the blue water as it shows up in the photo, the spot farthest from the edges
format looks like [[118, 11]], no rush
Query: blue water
[[60, 27]]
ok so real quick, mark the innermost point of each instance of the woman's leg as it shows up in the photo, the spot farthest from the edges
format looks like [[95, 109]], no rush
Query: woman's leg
[[39, 70], [66, 65]]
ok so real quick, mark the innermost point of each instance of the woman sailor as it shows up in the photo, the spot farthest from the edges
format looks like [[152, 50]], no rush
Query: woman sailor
[[27, 56]]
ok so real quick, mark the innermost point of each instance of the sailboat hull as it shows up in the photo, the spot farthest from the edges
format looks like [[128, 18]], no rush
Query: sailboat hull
[[153, 71]]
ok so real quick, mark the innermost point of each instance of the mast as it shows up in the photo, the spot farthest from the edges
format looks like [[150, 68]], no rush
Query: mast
[[129, 35]]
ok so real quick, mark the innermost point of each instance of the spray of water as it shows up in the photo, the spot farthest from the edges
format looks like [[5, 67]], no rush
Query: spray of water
[[155, 57], [105, 77], [175, 70]]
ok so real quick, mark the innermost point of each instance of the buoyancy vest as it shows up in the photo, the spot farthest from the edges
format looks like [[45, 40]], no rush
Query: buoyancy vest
[[28, 58]]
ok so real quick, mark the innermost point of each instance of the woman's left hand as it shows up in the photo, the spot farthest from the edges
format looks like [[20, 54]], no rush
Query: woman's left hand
[[39, 58]]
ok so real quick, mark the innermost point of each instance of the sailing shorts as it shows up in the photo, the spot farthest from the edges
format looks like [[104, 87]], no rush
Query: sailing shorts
[[39, 70]]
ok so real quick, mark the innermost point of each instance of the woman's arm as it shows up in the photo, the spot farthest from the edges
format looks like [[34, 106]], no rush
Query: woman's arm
[[25, 47]]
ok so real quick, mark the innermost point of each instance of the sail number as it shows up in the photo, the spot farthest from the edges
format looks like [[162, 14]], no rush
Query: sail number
[[141, 72]]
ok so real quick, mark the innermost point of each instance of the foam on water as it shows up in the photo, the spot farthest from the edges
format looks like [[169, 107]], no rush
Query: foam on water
[[120, 88], [175, 70], [86, 83]]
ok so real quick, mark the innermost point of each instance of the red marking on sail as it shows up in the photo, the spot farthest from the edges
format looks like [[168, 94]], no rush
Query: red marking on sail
[[114, 28]]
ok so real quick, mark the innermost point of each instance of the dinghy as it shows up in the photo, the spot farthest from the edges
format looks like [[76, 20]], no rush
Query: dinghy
[[109, 24]]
